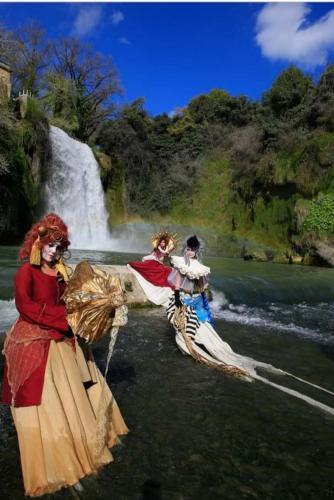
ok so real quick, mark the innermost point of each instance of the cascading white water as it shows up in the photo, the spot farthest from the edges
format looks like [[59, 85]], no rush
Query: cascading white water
[[74, 191]]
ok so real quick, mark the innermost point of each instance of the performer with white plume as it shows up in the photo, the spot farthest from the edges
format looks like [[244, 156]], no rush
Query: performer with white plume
[[190, 278]]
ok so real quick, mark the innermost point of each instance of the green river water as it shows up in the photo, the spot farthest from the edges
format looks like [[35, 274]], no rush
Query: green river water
[[195, 433]]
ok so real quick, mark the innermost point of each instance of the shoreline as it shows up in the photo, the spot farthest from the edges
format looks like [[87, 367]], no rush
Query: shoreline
[[256, 256]]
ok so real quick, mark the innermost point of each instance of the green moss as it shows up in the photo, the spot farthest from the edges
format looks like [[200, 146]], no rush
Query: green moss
[[273, 220], [35, 113], [115, 205], [113, 181], [208, 202], [213, 206], [68, 124], [323, 140], [285, 167]]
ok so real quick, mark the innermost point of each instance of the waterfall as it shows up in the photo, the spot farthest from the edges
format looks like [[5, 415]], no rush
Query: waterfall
[[74, 191]]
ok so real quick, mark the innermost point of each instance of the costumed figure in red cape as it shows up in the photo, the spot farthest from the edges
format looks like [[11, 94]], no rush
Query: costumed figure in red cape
[[52, 387], [152, 271]]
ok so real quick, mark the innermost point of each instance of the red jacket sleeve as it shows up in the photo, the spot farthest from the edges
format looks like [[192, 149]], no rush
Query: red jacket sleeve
[[44, 315]]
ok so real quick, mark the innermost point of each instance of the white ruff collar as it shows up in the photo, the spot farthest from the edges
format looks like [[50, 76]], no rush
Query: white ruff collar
[[195, 269]]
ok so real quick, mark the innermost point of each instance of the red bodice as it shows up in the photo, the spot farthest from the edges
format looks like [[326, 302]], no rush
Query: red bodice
[[38, 300]]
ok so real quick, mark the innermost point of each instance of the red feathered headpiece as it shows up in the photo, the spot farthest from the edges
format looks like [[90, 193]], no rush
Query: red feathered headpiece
[[50, 229]]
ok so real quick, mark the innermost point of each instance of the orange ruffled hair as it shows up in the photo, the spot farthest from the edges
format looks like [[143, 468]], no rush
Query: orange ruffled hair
[[55, 229]]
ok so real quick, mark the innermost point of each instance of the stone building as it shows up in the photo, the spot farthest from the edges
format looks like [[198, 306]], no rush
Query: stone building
[[5, 83]]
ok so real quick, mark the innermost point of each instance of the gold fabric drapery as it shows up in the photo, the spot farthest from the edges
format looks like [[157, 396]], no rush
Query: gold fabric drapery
[[95, 302]]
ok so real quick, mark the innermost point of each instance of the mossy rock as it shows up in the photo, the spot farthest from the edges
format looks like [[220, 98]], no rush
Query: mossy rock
[[281, 258], [310, 260], [260, 256], [296, 259]]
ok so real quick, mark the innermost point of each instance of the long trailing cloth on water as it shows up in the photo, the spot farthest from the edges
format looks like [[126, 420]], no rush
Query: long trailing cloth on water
[[185, 321], [96, 305], [205, 345]]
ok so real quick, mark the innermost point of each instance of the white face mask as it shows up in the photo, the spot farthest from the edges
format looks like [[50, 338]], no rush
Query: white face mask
[[51, 252], [190, 253]]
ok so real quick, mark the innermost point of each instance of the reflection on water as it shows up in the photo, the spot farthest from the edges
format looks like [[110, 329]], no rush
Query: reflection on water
[[197, 434]]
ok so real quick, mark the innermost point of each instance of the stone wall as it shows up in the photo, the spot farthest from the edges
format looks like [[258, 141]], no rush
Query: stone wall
[[134, 292]]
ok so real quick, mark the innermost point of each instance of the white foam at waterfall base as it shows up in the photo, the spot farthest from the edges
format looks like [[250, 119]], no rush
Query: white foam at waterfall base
[[74, 191], [278, 317]]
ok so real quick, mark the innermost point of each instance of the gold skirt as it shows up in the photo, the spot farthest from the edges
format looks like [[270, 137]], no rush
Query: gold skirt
[[58, 439]]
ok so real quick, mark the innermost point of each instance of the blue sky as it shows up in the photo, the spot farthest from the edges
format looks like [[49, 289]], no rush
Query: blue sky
[[171, 52]]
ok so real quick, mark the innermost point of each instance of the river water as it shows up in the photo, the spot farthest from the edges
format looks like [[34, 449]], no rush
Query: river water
[[195, 433]]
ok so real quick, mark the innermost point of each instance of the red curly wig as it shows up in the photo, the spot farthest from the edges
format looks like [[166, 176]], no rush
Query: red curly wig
[[49, 229]]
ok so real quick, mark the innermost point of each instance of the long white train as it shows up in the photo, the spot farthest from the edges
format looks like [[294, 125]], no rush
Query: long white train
[[219, 353]]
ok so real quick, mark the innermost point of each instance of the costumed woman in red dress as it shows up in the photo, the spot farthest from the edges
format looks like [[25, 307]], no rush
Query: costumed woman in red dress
[[53, 391], [152, 267], [151, 273]]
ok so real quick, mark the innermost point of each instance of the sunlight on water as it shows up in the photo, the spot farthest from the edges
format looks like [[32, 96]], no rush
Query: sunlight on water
[[298, 300]]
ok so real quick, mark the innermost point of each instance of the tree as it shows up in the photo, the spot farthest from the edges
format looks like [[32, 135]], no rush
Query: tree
[[321, 113], [26, 50], [219, 106], [7, 122], [127, 139], [7, 44], [60, 102], [92, 80], [289, 91]]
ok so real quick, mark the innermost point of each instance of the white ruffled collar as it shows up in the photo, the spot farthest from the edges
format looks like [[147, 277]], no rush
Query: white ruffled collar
[[194, 270]]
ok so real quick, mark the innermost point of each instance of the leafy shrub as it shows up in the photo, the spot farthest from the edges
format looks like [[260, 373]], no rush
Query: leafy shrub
[[321, 215]]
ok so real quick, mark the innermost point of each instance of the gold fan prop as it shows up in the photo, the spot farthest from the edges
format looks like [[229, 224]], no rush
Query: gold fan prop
[[95, 302]]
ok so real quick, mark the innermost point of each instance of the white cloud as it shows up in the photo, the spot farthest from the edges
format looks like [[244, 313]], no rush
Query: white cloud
[[124, 41], [87, 20], [117, 17], [283, 33]]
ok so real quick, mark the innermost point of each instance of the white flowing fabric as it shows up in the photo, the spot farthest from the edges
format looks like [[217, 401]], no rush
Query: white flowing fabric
[[159, 295], [221, 353], [193, 270]]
